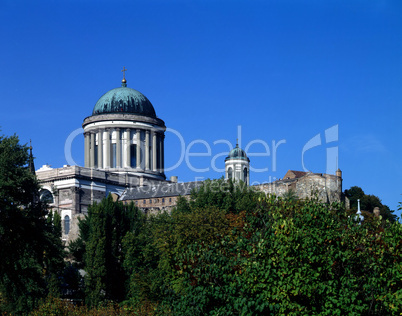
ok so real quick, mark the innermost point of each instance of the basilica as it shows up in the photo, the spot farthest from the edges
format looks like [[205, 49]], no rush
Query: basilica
[[124, 157]]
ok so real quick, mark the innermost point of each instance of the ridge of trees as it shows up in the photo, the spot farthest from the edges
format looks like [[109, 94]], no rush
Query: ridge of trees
[[228, 250]]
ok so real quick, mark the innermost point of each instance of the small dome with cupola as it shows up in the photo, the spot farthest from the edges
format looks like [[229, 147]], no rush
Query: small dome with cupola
[[237, 153], [237, 166]]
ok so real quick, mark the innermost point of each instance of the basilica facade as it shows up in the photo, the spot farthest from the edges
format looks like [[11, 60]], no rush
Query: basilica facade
[[124, 147]]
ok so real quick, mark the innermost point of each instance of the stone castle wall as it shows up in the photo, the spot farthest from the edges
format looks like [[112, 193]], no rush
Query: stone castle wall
[[327, 188]]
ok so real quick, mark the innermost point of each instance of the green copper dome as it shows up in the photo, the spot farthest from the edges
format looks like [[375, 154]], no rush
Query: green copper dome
[[237, 153], [124, 100]]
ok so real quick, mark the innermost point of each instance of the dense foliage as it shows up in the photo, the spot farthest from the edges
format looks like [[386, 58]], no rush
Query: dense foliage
[[31, 255], [226, 251], [232, 251], [294, 258], [100, 249]]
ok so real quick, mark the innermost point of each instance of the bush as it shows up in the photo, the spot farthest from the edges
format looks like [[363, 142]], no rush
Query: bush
[[58, 307], [294, 257]]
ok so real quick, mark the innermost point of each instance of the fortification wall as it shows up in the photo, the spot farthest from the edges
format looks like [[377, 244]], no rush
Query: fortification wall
[[327, 188]]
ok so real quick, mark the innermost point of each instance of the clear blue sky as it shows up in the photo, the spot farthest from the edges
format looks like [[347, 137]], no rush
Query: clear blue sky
[[282, 70]]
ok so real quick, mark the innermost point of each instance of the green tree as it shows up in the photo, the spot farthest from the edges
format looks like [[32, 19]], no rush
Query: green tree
[[54, 264], [28, 248], [77, 247], [232, 197], [368, 203], [100, 245], [353, 194], [294, 258], [141, 261], [150, 250]]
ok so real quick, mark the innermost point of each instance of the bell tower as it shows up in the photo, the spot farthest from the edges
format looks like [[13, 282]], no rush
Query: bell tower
[[237, 165]]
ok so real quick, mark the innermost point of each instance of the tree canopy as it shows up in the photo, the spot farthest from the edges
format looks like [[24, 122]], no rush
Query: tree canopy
[[228, 250], [30, 246], [225, 195], [231, 251], [99, 249], [368, 202]]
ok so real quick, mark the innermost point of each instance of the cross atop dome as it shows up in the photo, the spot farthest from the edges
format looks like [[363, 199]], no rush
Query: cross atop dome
[[124, 81]]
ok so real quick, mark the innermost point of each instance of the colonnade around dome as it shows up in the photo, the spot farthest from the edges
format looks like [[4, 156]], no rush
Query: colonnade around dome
[[125, 149]]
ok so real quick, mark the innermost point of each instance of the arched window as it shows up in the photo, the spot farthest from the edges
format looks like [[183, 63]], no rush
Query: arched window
[[46, 196], [66, 224], [245, 175], [230, 173]]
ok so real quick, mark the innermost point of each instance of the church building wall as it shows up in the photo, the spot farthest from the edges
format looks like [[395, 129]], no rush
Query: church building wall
[[74, 188]]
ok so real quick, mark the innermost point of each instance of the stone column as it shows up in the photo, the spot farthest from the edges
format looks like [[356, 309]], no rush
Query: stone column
[[118, 148], [138, 153], [107, 148], [86, 149], [92, 151], [127, 146], [100, 149], [146, 150], [153, 151]]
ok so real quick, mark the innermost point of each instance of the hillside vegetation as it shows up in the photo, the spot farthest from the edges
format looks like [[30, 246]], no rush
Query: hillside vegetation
[[226, 251]]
